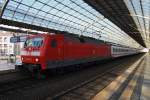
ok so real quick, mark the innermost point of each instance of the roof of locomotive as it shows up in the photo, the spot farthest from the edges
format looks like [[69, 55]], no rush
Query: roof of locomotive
[[80, 37], [72, 36], [83, 38]]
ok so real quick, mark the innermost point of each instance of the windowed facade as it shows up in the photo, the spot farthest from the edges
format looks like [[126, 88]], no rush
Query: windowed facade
[[0, 39], [6, 48], [5, 39]]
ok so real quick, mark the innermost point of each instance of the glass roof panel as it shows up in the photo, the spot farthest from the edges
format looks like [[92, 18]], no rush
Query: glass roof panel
[[74, 16], [26, 2], [140, 11], [2, 2]]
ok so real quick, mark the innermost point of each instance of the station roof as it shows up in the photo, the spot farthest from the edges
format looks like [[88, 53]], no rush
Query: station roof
[[74, 16], [120, 14]]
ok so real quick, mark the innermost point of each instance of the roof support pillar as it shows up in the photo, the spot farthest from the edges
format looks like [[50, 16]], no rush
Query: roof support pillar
[[3, 7]]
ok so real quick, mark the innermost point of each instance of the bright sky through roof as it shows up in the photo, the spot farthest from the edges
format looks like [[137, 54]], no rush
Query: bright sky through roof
[[74, 16], [140, 11]]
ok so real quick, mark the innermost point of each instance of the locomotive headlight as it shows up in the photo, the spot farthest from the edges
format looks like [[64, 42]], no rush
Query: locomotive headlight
[[36, 59], [22, 58]]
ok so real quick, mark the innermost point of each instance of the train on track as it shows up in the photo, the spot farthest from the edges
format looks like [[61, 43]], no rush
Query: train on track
[[50, 51]]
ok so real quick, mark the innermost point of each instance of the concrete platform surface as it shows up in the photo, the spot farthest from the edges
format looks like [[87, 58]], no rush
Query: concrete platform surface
[[145, 93], [4, 65], [133, 84]]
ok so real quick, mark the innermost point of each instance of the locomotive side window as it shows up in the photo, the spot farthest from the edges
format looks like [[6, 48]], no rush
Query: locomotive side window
[[53, 43]]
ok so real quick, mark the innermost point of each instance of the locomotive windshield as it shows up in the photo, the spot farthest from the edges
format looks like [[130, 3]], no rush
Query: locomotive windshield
[[34, 42]]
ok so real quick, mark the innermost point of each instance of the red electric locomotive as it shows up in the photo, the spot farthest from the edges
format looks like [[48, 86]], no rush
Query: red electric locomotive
[[48, 51]]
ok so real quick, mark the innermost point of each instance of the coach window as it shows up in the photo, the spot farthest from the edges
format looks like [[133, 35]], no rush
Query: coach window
[[114, 49], [53, 43]]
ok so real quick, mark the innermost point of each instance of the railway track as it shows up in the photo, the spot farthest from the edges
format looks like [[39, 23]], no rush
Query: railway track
[[89, 88], [11, 76], [76, 92], [7, 72], [58, 86]]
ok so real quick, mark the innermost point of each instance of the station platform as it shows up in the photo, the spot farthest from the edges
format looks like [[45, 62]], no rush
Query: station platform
[[133, 84], [5, 65]]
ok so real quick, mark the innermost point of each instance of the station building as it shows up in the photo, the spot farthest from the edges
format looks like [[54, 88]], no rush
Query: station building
[[6, 48]]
